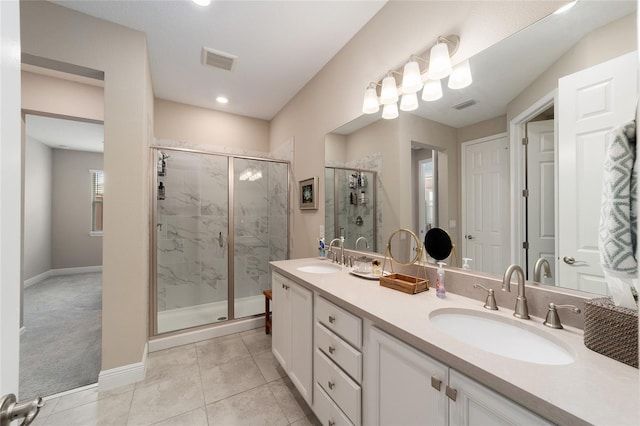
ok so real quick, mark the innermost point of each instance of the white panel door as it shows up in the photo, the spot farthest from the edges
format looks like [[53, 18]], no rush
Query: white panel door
[[485, 204], [592, 103], [541, 205]]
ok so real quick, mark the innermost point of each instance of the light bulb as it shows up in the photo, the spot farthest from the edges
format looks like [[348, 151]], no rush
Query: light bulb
[[439, 62], [390, 111], [409, 102], [389, 92], [432, 90], [460, 76], [411, 79]]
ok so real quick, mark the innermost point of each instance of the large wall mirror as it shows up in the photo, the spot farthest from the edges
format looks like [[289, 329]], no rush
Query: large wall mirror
[[455, 164]]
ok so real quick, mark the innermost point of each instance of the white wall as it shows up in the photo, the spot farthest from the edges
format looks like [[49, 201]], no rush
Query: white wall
[[71, 244], [37, 208]]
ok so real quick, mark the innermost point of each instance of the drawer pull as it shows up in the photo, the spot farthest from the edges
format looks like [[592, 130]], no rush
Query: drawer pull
[[332, 319], [331, 423], [331, 349], [435, 383], [451, 393], [331, 384]]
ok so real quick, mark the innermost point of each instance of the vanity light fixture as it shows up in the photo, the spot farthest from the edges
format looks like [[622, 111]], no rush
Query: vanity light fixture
[[439, 61], [460, 76], [432, 90], [390, 111], [370, 105], [409, 102], [413, 78], [389, 92]]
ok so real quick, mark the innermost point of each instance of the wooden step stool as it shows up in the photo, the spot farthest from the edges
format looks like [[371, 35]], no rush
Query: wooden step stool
[[267, 318]]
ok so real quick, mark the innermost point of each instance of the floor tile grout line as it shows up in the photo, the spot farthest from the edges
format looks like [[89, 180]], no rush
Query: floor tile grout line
[[204, 399]]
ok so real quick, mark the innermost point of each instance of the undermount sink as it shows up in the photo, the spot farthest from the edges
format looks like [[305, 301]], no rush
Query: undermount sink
[[320, 268], [506, 337]]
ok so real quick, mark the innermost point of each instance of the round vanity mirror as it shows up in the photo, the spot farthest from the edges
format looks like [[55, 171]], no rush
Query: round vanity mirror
[[438, 243], [404, 247]]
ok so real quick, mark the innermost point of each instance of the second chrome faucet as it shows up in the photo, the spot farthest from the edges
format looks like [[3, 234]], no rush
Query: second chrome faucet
[[521, 310]]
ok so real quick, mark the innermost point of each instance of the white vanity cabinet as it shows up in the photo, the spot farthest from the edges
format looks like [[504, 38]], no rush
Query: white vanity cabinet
[[406, 387], [292, 332], [337, 364]]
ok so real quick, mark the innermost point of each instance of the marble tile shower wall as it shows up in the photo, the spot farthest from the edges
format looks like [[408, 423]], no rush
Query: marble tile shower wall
[[192, 265], [260, 218]]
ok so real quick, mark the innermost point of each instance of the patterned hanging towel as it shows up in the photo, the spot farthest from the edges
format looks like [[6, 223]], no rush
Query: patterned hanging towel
[[619, 216], [617, 240]]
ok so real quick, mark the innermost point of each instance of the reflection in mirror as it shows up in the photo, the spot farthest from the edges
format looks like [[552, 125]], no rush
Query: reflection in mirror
[[403, 247], [350, 207], [515, 81]]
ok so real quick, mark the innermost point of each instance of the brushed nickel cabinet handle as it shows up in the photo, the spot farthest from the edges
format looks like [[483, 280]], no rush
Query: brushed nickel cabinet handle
[[331, 349], [451, 393], [331, 384], [332, 319], [435, 383]]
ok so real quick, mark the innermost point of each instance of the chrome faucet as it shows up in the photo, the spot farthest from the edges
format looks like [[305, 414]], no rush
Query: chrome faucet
[[341, 241], [521, 311], [536, 269], [366, 243]]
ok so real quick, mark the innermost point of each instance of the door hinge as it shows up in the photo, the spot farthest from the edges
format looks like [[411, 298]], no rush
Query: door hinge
[[525, 141], [525, 245], [525, 193]]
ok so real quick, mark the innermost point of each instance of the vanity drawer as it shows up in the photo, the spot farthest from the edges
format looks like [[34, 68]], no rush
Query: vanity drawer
[[343, 354], [343, 391], [327, 411], [341, 322]]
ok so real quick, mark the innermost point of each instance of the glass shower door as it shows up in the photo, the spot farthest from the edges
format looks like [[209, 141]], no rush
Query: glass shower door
[[260, 229], [192, 227]]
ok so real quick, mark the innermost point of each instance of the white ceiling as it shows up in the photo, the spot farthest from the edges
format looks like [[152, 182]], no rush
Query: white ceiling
[[280, 45], [65, 134]]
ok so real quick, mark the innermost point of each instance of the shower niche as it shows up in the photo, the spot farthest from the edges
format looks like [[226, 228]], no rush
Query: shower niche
[[218, 221]]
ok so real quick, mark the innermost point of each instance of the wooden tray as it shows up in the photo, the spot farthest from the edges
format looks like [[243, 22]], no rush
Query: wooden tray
[[405, 283]]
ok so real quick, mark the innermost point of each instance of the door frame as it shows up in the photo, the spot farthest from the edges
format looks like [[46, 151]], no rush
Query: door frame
[[516, 133], [463, 186]]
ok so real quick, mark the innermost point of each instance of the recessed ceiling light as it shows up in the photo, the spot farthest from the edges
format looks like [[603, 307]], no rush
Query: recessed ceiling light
[[222, 100], [565, 7], [202, 2]]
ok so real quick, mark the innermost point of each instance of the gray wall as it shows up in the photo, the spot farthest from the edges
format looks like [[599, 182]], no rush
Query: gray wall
[[71, 244], [37, 208]]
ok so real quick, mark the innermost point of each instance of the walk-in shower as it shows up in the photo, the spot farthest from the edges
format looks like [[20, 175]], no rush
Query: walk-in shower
[[218, 222]]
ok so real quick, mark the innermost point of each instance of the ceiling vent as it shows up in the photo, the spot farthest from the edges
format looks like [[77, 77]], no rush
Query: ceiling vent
[[218, 59], [465, 104]]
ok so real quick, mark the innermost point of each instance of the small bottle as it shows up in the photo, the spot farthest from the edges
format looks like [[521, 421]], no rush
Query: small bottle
[[441, 292], [321, 248], [161, 191], [465, 264], [350, 197], [363, 198], [363, 181]]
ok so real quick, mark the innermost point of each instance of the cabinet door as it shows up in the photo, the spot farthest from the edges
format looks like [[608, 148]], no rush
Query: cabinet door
[[397, 383], [281, 329], [475, 404], [301, 324]]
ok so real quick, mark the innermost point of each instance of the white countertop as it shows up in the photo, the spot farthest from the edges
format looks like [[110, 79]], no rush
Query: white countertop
[[593, 389]]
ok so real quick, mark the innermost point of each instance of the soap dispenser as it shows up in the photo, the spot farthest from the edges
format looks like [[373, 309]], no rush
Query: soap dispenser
[[440, 290], [465, 264]]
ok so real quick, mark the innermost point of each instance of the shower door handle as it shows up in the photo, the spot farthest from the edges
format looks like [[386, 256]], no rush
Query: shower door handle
[[220, 240]]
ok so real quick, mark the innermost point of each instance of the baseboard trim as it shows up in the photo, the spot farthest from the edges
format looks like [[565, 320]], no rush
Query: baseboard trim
[[194, 336], [61, 271], [124, 375]]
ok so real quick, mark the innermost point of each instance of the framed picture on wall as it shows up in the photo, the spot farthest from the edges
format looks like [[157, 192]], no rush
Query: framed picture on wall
[[309, 193]]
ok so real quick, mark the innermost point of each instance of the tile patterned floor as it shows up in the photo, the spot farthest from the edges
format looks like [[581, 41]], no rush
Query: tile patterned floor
[[231, 380]]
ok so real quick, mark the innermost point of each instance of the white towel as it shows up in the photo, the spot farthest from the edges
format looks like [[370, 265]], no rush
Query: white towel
[[619, 216]]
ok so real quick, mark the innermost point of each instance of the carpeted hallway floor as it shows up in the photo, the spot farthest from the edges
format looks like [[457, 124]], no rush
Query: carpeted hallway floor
[[61, 347]]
